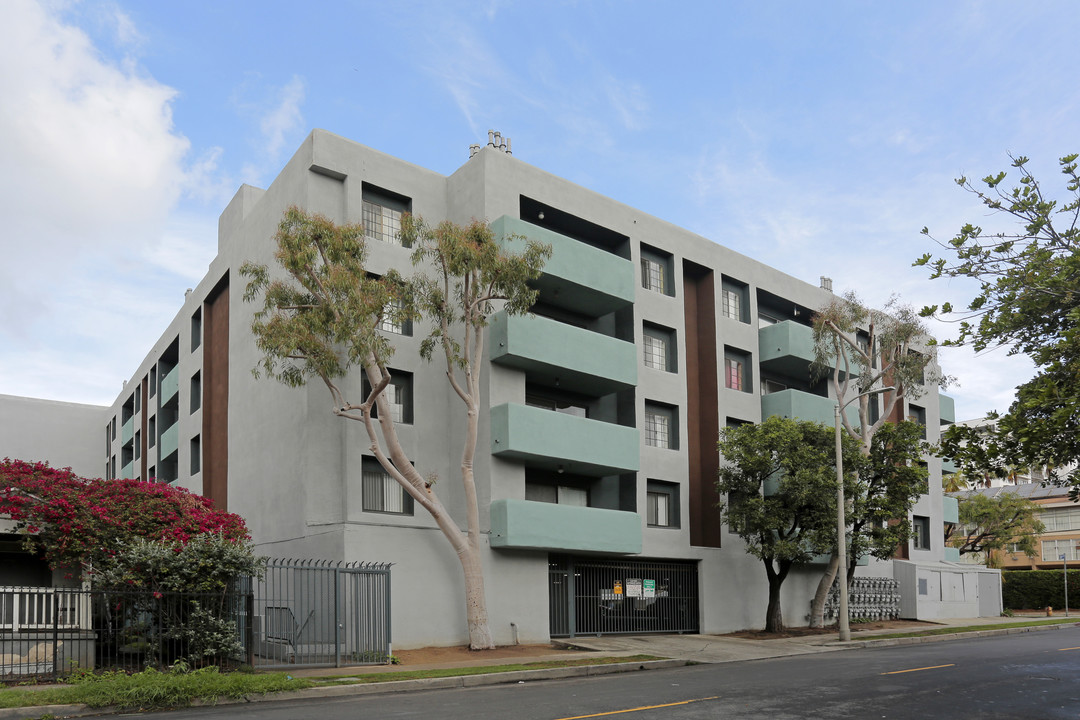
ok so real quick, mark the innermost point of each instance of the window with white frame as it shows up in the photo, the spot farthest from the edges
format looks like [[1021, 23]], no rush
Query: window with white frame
[[734, 299], [772, 386], [382, 493], [662, 504], [1059, 519], [381, 213], [392, 323], [658, 344], [660, 426], [1052, 550], [656, 272]]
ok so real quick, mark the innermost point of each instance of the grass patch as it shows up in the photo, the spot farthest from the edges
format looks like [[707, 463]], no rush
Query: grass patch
[[151, 689], [482, 670], [972, 628]]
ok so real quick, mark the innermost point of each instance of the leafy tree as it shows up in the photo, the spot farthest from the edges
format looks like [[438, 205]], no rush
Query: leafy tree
[[794, 518], [888, 481], [323, 320], [82, 523], [987, 524], [1028, 301], [861, 350]]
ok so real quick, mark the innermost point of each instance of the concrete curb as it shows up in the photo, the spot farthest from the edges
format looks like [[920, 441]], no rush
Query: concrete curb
[[891, 642], [376, 688]]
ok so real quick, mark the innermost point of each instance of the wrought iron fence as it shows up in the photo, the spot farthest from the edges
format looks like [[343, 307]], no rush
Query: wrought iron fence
[[52, 631], [301, 612], [317, 612]]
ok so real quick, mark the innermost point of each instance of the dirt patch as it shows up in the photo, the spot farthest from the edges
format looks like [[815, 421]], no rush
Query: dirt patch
[[462, 653], [856, 628]]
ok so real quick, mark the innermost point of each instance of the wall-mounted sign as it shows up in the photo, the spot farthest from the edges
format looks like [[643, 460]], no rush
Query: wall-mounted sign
[[633, 588], [649, 589]]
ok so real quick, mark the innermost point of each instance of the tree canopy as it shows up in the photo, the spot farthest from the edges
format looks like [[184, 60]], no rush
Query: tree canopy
[[987, 524], [79, 522], [779, 478], [1029, 302]]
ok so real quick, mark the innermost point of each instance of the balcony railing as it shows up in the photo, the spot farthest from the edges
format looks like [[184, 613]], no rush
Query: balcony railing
[[34, 608]]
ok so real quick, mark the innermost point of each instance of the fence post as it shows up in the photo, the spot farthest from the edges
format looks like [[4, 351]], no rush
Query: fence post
[[249, 632], [337, 616]]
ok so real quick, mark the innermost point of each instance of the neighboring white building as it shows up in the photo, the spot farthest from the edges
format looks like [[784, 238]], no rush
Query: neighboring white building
[[646, 340]]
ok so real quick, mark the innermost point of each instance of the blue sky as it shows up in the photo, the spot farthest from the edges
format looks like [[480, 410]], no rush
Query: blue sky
[[816, 137]]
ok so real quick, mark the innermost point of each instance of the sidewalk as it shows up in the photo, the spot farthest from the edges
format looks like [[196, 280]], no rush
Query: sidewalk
[[681, 649]]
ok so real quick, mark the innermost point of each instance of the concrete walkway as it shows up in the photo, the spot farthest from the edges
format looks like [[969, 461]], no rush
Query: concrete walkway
[[725, 648]]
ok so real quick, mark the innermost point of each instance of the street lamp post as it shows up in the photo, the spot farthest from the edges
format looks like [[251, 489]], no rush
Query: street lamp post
[[841, 521]]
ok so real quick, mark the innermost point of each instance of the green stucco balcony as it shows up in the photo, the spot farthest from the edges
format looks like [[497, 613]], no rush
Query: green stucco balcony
[[950, 510], [804, 406], [946, 409], [170, 440], [128, 471], [127, 431], [578, 359], [786, 348], [170, 384], [579, 277], [948, 467], [552, 440], [952, 554], [528, 525]]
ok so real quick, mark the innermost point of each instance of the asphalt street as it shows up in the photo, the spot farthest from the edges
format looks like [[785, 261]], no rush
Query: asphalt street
[[1033, 676]]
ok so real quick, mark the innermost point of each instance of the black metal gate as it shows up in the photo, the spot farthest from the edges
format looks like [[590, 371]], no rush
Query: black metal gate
[[590, 596]]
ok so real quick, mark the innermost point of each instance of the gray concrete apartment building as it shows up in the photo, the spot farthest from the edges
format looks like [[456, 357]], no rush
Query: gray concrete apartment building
[[647, 339]]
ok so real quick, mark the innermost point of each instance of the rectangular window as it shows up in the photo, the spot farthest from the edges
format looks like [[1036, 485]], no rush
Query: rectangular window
[[138, 401], [539, 397], [1052, 550], [138, 444], [391, 324], [196, 455], [381, 213], [195, 400], [196, 330], [153, 381], [658, 344], [734, 305], [661, 426], [920, 538], [917, 415], [151, 431], [381, 493], [765, 320], [1059, 519], [114, 427], [737, 370], [771, 386], [398, 394], [656, 272], [556, 494], [662, 504]]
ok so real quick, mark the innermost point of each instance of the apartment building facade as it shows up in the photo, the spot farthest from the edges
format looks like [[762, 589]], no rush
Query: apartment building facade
[[597, 460]]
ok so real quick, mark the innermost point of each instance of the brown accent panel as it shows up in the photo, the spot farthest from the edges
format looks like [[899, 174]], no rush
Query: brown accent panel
[[215, 403], [143, 421], [702, 404]]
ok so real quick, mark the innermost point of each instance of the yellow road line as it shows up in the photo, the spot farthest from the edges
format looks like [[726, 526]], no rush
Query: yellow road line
[[1075, 648], [932, 667], [644, 707]]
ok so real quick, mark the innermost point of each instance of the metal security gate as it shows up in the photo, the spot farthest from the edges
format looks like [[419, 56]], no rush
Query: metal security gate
[[317, 612], [590, 596]]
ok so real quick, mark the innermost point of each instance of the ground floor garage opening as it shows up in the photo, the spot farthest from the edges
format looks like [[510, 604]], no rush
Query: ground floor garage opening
[[597, 596]]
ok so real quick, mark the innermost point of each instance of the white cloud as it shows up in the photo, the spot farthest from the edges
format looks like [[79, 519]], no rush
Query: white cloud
[[93, 167], [279, 118]]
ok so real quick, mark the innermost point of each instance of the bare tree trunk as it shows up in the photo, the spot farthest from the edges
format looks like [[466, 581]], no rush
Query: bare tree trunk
[[817, 607], [480, 637]]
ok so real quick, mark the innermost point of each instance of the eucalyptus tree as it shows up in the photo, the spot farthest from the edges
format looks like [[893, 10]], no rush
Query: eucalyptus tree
[[322, 319]]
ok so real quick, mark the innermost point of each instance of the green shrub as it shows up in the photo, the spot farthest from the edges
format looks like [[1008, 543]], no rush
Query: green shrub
[[1029, 589]]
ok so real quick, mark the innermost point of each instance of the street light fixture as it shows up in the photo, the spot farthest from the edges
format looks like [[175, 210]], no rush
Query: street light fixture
[[841, 521]]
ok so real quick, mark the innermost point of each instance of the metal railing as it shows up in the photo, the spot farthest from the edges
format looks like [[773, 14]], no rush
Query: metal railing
[[317, 612]]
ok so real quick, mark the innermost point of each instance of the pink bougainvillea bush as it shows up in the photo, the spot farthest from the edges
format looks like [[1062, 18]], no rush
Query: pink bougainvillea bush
[[75, 521]]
